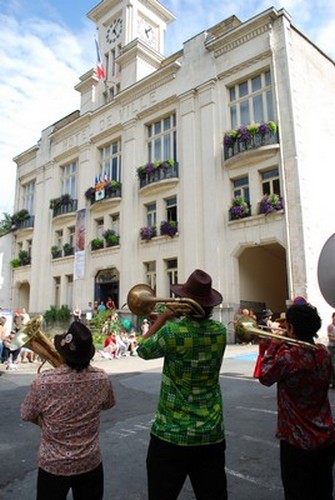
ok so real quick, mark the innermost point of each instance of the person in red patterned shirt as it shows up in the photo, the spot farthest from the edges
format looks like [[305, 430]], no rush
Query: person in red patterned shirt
[[305, 424], [66, 402]]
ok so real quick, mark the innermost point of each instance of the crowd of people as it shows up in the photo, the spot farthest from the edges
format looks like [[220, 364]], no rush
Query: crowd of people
[[187, 436], [10, 355]]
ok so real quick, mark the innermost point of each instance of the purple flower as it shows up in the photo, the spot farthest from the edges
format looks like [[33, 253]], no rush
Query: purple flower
[[149, 167], [147, 232], [168, 227], [264, 129], [228, 141], [239, 209], [243, 134], [270, 203]]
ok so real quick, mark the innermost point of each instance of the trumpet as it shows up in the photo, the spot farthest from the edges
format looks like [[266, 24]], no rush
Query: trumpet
[[246, 329], [141, 301], [32, 337]]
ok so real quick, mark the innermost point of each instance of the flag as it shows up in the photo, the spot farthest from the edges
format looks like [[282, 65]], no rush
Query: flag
[[100, 67]]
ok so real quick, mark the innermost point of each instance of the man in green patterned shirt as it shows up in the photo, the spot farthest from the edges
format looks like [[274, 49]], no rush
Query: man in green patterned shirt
[[187, 436]]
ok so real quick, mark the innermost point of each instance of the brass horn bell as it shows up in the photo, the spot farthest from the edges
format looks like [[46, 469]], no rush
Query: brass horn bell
[[246, 330], [141, 301]]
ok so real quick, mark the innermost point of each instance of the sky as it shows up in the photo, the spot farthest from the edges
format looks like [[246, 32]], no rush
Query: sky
[[46, 45]]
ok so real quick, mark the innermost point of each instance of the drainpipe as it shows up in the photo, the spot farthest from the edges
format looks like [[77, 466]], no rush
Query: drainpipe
[[282, 171]]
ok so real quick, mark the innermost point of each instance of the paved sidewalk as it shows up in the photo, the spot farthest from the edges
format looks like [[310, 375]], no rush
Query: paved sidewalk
[[132, 363]]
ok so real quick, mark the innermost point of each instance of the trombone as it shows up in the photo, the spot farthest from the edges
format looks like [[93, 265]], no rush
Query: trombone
[[141, 301], [246, 329]]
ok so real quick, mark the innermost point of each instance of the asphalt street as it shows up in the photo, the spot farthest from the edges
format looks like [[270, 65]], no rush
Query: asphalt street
[[252, 456]]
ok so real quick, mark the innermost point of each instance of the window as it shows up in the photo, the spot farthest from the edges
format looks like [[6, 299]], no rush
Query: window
[[69, 290], [171, 209], [69, 179], [29, 247], [172, 272], [28, 197], [270, 181], [251, 100], [59, 238], [161, 137], [71, 235], [115, 223], [111, 161], [241, 188], [150, 272], [57, 291], [151, 214], [99, 228]]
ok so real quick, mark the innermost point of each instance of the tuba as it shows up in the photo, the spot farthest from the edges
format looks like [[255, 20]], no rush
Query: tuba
[[31, 336]]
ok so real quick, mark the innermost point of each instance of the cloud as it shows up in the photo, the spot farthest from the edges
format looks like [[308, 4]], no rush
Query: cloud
[[40, 65], [313, 17]]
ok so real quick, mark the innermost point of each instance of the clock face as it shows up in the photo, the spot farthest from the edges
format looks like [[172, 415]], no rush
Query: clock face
[[114, 31], [147, 32]]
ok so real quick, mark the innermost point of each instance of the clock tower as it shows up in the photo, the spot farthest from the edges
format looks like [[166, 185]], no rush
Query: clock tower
[[131, 39]]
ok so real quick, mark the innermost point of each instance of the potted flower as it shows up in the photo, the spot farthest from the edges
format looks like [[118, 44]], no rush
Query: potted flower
[[229, 138], [111, 237], [65, 199], [111, 187], [239, 209], [97, 243], [24, 258], [168, 228], [270, 203], [56, 252], [68, 249], [148, 232], [15, 262], [20, 216], [90, 194]]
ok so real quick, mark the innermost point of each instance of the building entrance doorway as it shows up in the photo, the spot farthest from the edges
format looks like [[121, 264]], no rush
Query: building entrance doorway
[[263, 278], [107, 285]]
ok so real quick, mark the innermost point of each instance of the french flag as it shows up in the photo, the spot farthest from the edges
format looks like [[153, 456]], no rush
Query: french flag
[[100, 67]]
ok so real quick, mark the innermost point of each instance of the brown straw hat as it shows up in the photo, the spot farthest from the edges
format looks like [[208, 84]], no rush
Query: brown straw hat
[[75, 345], [198, 287]]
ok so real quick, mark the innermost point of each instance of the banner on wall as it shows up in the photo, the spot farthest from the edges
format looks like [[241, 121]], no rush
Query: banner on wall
[[79, 247]]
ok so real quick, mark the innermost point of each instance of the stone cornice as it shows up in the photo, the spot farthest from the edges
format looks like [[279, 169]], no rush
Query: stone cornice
[[246, 64], [148, 84], [253, 28], [135, 49], [245, 38]]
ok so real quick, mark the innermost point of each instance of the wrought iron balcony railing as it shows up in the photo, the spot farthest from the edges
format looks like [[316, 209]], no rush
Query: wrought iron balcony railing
[[65, 208], [26, 223], [163, 172], [255, 141]]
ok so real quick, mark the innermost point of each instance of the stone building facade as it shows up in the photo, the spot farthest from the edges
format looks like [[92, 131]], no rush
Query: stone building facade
[[216, 157]]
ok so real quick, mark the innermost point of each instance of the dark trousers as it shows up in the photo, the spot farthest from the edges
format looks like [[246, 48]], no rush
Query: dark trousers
[[307, 474], [168, 466], [87, 486]]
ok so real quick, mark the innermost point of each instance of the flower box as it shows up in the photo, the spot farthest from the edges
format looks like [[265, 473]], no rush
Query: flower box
[[157, 171], [270, 203], [97, 244], [239, 209], [112, 239], [148, 232], [168, 228], [248, 137]]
